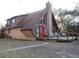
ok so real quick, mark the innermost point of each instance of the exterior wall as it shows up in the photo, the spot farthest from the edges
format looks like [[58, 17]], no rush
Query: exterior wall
[[28, 34], [6, 32], [18, 34]]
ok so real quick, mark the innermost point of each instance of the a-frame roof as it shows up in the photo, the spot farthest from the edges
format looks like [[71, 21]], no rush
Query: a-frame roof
[[30, 21]]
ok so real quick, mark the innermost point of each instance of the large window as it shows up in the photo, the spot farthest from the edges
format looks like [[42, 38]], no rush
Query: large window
[[8, 22], [13, 20]]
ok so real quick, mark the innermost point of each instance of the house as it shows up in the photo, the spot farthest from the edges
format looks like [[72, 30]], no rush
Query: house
[[32, 25]]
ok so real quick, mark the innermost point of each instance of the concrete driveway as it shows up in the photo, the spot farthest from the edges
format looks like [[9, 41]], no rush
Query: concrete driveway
[[38, 49]]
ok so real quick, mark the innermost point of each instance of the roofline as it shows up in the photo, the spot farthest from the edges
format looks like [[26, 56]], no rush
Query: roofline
[[17, 16], [22, 15]]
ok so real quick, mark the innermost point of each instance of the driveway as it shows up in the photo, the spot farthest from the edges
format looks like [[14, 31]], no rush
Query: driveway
[[38, 49]]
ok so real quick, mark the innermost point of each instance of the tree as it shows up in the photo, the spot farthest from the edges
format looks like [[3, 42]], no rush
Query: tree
[[64, 19]]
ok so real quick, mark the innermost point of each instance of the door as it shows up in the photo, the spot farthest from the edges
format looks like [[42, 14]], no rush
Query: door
[[41, 30]]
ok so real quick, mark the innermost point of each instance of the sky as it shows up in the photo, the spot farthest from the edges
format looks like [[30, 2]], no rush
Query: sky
[[9, 8]]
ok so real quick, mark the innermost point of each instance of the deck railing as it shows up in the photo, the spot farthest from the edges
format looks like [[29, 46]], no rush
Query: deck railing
[[64, 35]]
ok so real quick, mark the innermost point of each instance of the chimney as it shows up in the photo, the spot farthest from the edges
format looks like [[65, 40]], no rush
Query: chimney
[[49, 18], [48, 4]]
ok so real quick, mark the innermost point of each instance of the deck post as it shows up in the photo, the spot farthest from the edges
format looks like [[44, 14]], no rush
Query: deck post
[[72, 36], [57, 35], [67, 36], [76, 37]]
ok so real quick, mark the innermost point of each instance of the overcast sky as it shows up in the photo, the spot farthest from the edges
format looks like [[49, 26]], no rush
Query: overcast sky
[[9, 8]]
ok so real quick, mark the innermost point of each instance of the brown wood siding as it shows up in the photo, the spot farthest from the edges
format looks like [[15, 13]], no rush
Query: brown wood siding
[[18, 34], [28, 33]]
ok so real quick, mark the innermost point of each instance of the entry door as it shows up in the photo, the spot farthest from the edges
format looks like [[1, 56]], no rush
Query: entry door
[[41, 31]]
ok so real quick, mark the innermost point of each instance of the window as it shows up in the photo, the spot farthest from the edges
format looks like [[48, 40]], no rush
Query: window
[[13, 20], [8, 22]]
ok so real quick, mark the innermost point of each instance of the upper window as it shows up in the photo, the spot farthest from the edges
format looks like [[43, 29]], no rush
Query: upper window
[[13, 20], [8, 22]]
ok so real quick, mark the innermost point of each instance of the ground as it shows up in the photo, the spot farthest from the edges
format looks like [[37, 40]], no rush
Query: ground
[[38, 49]]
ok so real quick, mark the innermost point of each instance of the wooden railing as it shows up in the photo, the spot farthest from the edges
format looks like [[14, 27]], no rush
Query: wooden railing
[[65, 35]]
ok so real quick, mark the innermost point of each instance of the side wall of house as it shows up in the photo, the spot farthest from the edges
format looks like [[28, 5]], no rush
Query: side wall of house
[[6, 32], [18, 34]]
